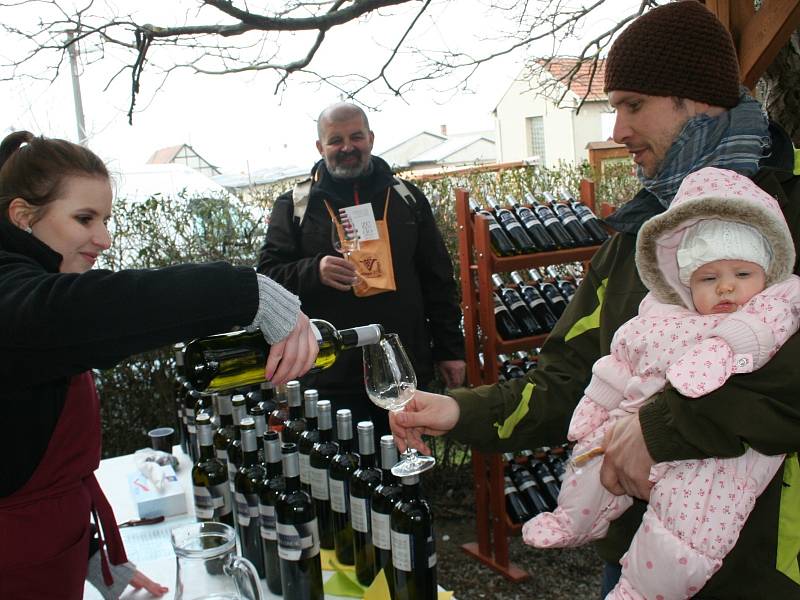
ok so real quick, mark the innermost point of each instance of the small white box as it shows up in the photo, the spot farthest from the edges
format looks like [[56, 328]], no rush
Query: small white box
[[153, 503]]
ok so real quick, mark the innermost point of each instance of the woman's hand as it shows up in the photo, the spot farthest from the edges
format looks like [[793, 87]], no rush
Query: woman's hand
[[294, 355], [140, 580], [426, 414]]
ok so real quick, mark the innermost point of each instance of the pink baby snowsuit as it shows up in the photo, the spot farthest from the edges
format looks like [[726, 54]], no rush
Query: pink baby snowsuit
[[698, 507]]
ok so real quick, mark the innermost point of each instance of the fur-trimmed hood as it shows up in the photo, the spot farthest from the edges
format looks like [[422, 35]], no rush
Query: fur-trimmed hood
[[709, 193]]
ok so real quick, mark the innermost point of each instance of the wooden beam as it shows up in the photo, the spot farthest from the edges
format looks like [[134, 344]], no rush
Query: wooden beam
[[763, 36], [722, 8]]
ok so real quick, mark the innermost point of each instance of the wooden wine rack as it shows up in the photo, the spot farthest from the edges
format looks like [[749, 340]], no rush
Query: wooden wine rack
[[480, 334]]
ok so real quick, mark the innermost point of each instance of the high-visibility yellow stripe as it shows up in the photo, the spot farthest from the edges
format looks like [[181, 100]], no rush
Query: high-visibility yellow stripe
[[789, 520], [591, 321], [796, 170], [505, 430]]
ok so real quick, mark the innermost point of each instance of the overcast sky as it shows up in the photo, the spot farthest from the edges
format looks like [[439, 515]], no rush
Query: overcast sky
[[237, 122]]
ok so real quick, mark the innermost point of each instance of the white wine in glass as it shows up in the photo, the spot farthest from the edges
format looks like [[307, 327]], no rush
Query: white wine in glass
[[390, 382]]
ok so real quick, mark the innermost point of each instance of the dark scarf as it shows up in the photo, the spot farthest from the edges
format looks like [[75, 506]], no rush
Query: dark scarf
[[735, 140]]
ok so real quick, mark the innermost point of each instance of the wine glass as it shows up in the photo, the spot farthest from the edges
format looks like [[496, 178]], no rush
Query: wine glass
[[344, 236], [391, 383]]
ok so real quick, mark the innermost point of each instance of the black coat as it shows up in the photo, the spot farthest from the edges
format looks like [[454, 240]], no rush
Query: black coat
[[424, 310], [54, 325]]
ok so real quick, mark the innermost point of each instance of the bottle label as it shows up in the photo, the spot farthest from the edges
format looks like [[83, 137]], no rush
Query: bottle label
[[268, 522], [518, 304], [319, 483], [493, 225], [304, 469], [298, 542], [535, 300], [246, 508], [222, 454], [339, 495], [548, 218], [231, 472], [526, 484], [511, 224], [381, 530], [431, 553], [568, 218], [401, 551], [586, 217], [213, 502], [359, 514], [509, 487]]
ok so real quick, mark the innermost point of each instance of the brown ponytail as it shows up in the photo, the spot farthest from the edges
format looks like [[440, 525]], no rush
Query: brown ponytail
[[33, 168]]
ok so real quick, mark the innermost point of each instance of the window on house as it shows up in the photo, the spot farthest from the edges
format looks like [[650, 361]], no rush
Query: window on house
[[535, 136]]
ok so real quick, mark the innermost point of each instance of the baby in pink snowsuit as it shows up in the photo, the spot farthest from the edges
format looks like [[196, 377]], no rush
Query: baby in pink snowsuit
[[722, 301]]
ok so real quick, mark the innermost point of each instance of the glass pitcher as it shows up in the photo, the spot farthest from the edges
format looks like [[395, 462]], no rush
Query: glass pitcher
[[207, 565]]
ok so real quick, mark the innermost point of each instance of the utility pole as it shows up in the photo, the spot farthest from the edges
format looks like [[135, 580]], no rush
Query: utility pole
[[76, 88]]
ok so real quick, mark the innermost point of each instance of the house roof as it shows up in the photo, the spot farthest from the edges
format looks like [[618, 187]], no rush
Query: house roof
[[261, 176], [137, 184], [164, 155], [583, 83], [450, 146]]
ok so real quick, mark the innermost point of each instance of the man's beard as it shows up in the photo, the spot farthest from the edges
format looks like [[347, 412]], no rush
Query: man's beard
[[341, 171]]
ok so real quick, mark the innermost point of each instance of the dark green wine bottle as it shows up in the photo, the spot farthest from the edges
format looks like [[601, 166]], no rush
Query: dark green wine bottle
[[234, 451], [342, 466], [295, 424], [298, 536], [318, 462], [248, 487], [384, 497], [308, 438], [229, 360], [364, 479], [413, 545], [271, 490], [212, 494]]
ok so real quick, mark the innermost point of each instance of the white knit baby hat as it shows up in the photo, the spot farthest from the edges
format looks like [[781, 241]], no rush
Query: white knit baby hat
[[714, 239]]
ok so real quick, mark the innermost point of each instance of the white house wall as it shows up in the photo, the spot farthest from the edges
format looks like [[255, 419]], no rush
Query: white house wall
[[588, 127]]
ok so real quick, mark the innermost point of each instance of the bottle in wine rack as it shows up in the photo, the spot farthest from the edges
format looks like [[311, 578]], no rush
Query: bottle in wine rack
[[516, 305], [527, 486], [342, 466], [318, 462], [513, 228], [526, 361], [501, 244], [298, 535], [413, 545], [308, 438], [508, 369], [536, 302], [505, 323], [247, 486], [548, 289], [566, 286], [384, 497], [212, 493], [570, 221], [515, 506], [295, 423], [555, 464], [587, 218], [541, 472], [271, 490], [536, 230], [551, 222]]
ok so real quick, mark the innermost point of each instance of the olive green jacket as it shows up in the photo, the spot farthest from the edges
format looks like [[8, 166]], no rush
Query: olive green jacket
[[761, 409]]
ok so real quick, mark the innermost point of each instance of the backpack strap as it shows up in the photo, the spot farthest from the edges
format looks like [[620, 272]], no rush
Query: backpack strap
[[401, 188], [300, 195]]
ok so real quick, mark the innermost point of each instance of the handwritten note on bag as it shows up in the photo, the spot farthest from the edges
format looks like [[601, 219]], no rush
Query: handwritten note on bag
[[363, 219]]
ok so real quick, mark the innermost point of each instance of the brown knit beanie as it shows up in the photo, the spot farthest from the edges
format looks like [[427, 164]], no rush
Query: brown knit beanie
[[679, 49]]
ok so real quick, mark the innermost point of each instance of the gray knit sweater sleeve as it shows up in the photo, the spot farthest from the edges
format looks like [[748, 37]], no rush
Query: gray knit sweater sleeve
[[277, 312], [122, 575]]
